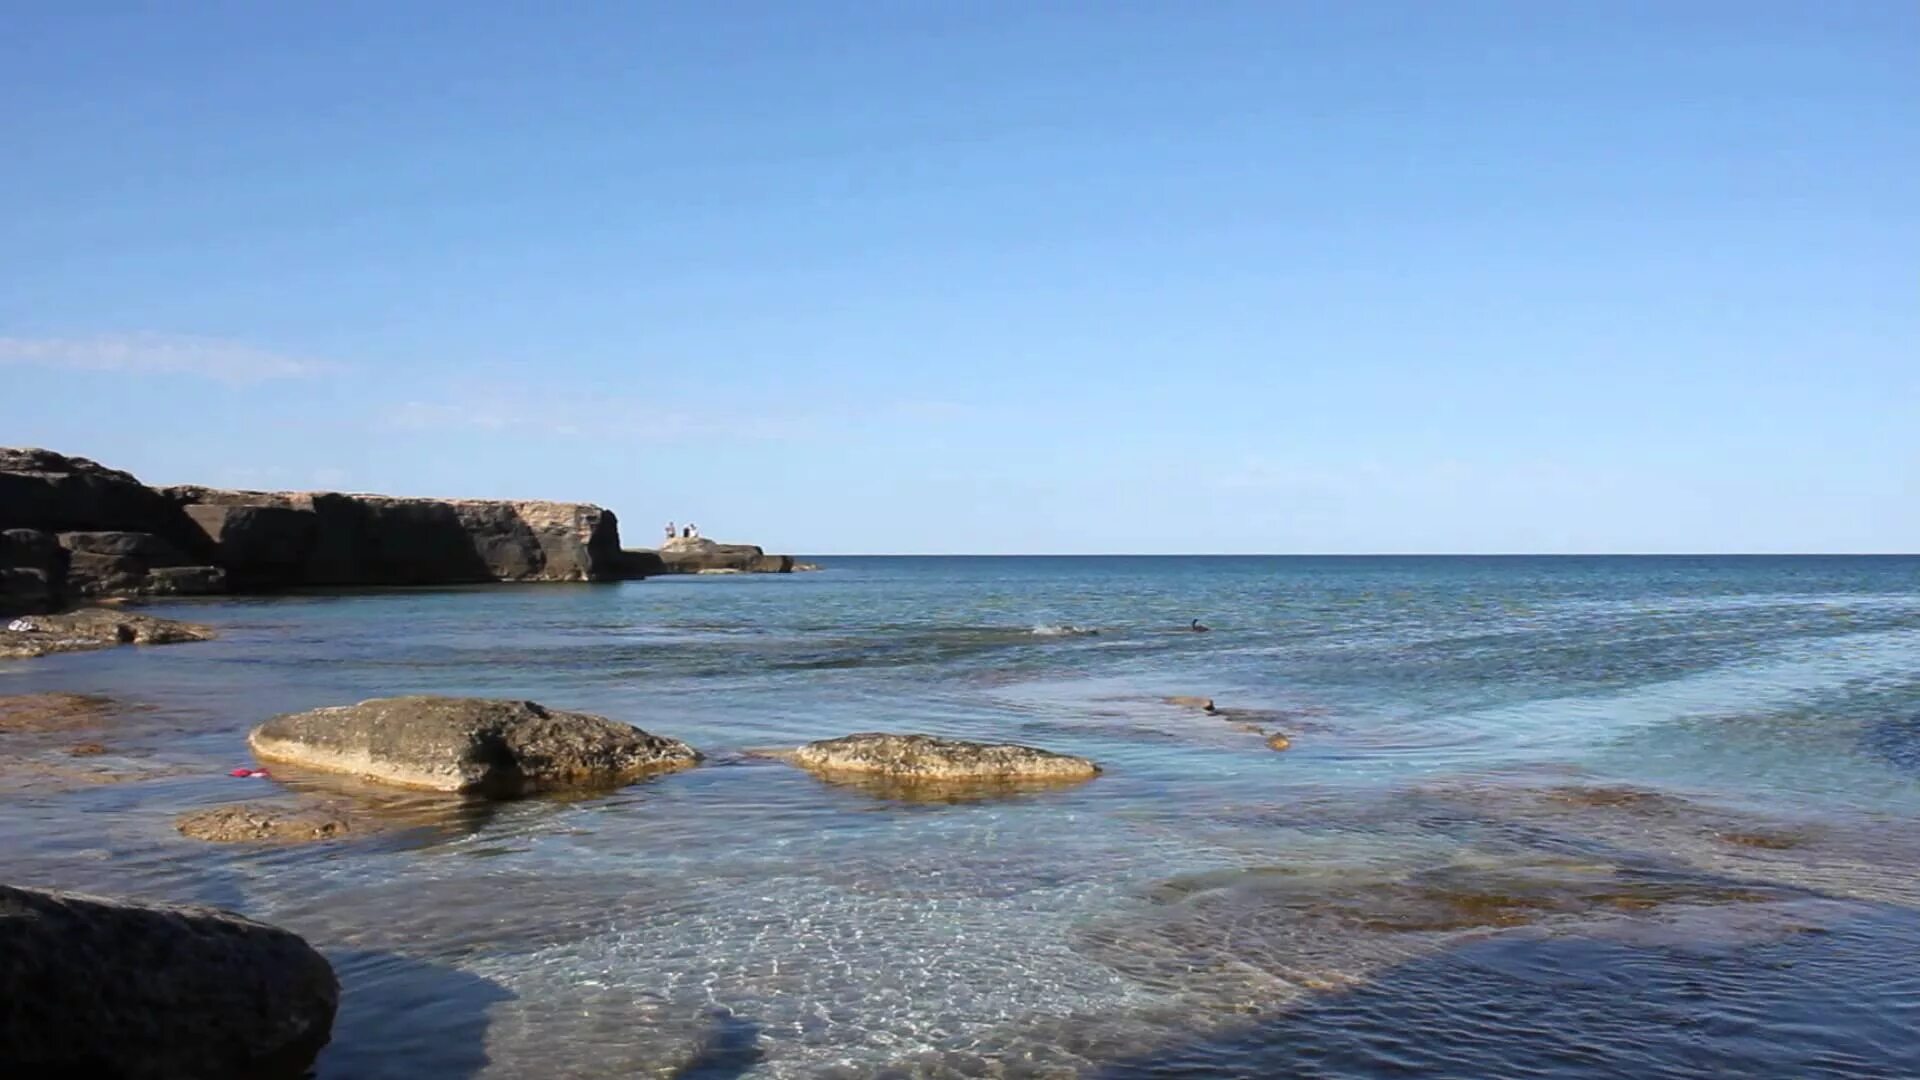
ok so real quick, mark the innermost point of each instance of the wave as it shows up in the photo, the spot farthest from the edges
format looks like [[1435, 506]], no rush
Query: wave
[[1064, 630]]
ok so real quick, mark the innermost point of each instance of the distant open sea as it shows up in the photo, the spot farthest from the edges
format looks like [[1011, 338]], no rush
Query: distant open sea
[[1541, 817]]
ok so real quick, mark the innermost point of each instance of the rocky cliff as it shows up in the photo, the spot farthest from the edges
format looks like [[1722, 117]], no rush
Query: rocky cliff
[[71, 528], [276, 539]]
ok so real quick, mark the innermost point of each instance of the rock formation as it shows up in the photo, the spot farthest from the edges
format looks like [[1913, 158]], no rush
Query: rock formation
[[91, 628], [277, 539], [491, 748], [71, 529], [928, 758], [696, 554], [96, 987], [33, 572]]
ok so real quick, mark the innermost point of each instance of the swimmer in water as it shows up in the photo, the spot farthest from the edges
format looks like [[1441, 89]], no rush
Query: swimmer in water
[[1197, 628]]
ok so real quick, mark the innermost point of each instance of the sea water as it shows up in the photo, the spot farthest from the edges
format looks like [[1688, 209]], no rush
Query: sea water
[[1540, 817]]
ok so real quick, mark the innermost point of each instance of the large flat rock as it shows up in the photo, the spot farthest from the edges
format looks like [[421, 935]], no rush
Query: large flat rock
[[474, 745], [91, 987]]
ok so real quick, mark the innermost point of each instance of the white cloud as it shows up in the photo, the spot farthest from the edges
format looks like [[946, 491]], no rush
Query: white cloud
[[159, 354]]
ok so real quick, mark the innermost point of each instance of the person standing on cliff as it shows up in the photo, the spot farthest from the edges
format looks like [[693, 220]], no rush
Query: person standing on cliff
[[669, 530]]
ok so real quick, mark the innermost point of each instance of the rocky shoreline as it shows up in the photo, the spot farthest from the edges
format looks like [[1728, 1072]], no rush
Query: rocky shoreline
[[194, 991], [72, 530]]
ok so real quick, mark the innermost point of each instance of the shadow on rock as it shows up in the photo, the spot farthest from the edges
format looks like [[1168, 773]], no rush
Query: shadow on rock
[[402, 1017]]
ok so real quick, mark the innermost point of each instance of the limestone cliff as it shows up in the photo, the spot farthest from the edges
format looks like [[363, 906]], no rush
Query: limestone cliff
[[71, 528]]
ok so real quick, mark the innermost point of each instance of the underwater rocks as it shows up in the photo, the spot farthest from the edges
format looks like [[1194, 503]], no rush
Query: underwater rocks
[[928, 758], [1247, 720], [472, 745], [258, 823], [1188, 701], [99, 987], [91, 628], [53, 712]]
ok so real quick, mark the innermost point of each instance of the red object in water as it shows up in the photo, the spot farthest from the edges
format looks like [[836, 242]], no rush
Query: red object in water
[[244, 772]]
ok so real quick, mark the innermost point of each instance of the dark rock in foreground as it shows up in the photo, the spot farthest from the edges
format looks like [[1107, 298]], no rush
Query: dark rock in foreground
[[258, 823], [928, 758], [494, 748], [91, 628], [104, 988]]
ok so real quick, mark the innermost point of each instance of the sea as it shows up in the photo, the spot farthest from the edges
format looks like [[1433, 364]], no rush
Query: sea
[[1537, 817]]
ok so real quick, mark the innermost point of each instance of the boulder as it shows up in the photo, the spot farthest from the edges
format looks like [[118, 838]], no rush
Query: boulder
[[492, 748], [91, 628], [264, 823], [928, 758], [106, 988]]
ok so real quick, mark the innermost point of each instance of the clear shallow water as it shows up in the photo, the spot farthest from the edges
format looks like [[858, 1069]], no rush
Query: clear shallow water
[[1542, 817]]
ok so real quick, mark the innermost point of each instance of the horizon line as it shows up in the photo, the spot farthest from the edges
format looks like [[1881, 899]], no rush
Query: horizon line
[[1358, 554]]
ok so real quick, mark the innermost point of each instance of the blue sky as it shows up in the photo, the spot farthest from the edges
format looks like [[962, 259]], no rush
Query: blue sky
[[972, 277]]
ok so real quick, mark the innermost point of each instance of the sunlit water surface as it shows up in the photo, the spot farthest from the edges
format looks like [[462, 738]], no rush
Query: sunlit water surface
[[1542, 817]]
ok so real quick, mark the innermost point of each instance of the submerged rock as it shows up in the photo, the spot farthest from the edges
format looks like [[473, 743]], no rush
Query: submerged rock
[[264, 823], [494, 748], [91, 628], [108, 988], [53, 711], [1188, 701], [928, 758]]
